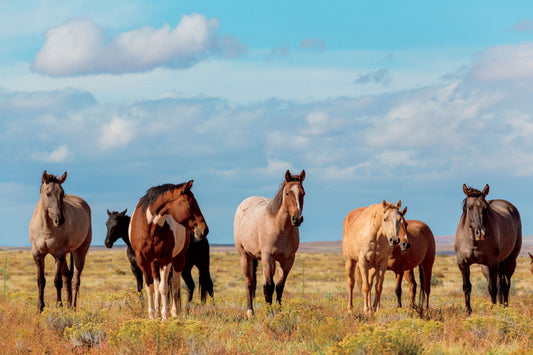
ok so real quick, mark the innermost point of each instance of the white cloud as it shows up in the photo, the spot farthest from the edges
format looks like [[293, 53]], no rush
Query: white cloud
[[318, 123], [58, 155], [80, 47], [117, 133], [505, 63]]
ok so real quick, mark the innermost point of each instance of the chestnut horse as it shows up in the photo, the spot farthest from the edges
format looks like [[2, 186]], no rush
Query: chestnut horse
[[267, 230], [489, 233], [60, 224], [368, 238], [421, 254], [157, 233], [531, 261]]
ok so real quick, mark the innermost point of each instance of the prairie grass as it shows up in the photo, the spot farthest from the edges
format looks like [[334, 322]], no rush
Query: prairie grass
[[112, 319]]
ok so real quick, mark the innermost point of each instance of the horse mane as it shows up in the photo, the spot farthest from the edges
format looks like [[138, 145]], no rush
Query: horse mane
[[154, 192], [274, 205]]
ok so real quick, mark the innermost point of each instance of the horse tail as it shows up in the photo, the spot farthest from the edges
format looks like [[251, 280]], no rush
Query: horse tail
[[421, 295], [254, 276]]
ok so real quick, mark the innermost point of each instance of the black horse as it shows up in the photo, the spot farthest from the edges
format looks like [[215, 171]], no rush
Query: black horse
[[197, 255]]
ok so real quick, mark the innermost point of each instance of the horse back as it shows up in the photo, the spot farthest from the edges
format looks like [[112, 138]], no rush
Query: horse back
[[504, 224], [249, 217], [359, 227]]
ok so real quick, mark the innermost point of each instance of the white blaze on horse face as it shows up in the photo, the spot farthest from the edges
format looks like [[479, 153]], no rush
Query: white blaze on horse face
[[296, 191], [180, 235]]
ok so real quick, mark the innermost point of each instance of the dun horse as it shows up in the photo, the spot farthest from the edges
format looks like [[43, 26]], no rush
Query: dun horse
[[157, 233], [117, 227], [368, 238], [60, 224], [267, 230], [421, 254], [489, 233]]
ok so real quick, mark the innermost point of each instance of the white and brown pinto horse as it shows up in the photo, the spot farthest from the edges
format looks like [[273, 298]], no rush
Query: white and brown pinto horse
[[267, 230], [489, 233], [60, 224], [369, 235], [158, 233]]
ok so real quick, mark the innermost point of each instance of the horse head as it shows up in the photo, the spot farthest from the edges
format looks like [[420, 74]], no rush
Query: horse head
[[391, 226], [185, 210], [405, 244], [52, 194], [293, 197], [114, 227], [474, 208]]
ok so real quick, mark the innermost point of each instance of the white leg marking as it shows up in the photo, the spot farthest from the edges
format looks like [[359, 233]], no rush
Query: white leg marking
[[150, 293], [163, 290]]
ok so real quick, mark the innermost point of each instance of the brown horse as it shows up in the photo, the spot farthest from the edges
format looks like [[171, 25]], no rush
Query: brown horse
[[267, 230], [157, 233], [421, 254], [489, 233], [531, 261], [367, 241], [60, 224]]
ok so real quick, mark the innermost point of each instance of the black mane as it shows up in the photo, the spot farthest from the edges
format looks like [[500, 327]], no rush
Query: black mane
[[154, 192], [274, 205]]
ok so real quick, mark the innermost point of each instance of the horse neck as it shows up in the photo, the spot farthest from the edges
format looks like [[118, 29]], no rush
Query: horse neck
[[125, 222], [282, 219], [42, 214]]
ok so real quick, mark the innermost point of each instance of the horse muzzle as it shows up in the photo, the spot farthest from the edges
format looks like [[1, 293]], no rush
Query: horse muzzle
[[297, 220], [479, 234], [393, 241], [201, 234], [59, 221], [405, 245]]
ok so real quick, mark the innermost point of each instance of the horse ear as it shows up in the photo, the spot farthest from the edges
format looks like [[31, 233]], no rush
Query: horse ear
[[123, 212], [62, 178], [302, 176], [188, 186], [108, 213], [465, 189], [485, 191], [384, 203], [288, 176], [45, 177], [404, 211], [399, 204]]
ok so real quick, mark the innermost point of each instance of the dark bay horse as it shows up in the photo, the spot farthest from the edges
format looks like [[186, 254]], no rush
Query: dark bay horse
[[60, 224], [158, 233], [369, 235], [421, 253], [117, 227], [489, 233], [197, 255], [267, 230]]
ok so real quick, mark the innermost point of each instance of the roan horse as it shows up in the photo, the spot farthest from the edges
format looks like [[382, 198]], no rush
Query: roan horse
[[157, 233], [422, 254], [367, 241], [60, 224], [197, 255], [489, 233], [267, 230], [117, 227]]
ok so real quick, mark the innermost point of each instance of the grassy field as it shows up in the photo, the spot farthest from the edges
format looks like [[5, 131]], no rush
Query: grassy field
[[111, 318]]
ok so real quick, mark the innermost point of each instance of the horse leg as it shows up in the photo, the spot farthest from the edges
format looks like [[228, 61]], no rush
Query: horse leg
[[248, 270], [163, 289], [467, 285], [350, 271], [491, 274], [189, 282], [67, 279], [398, 289], [425, 280], [176, 293], [509, 266], [286, 266], [380, 272], [269, 268], [206, 284], [41, 280], [146, 268], [363, 272], [411, 281], [60, 264], [137, 272], [156, 271]]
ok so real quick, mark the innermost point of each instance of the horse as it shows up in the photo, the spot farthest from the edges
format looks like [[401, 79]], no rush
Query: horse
[[421, 254], [368, 238], [198, 255], [531, 261], [489, 233], [60, 224], [117, 227], [157, 233], [267, 230]]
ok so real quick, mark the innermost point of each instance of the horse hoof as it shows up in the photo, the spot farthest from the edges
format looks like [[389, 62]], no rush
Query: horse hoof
[[249, 313]]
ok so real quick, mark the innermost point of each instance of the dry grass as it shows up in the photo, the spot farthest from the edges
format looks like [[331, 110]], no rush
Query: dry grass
[[111, 318]]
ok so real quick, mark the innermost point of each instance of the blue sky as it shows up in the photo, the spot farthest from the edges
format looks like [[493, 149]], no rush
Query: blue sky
[[375, 100]]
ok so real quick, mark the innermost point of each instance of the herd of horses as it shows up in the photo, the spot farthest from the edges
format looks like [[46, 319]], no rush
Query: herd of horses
[[166, 236]]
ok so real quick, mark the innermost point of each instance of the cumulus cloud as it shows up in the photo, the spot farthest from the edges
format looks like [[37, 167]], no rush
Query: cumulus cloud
[[505, 63], [81, 47], [58, 155], [313, 43], [117, 133], [380, 76]]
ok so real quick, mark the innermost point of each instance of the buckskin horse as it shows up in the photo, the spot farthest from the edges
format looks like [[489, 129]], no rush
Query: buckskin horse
[[157, 233], [489, 233], [267, 229], [367, 241], [60, 224]]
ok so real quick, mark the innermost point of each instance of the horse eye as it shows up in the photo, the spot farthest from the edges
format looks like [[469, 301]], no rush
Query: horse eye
[[48, 194], [286, 193]]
